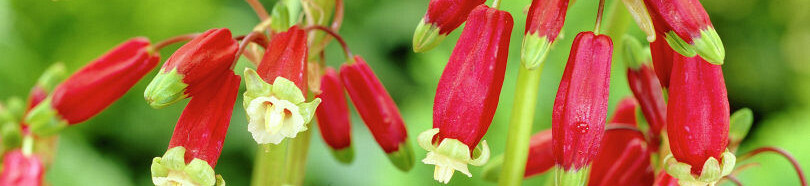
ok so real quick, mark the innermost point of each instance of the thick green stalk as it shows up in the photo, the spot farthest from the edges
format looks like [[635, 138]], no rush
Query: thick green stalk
[[270, 163], [297, 156], [520, 126]]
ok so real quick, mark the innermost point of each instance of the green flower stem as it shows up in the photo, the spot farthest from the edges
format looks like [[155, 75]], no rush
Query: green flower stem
[[618, 20], [269, 165], [297, 156], [520, 126]]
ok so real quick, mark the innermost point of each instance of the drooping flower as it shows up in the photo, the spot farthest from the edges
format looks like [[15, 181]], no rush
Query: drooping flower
[[467, 94], [21, 169], [687, 28], [698, 123], [624, 159], [441, 18], [646, 87], [198, 136], [378, 111], [580, 108], [279, 110], [543, 24], [94, 87], [625, 113], [207, 55], [333, 117]]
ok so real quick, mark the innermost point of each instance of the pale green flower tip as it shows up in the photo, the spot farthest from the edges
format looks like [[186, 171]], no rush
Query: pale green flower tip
[[284, 15], [43, 120], [452, 155], [52, 76], [287, 90], [403, 158], [534, 51], [200, 172], [711, 173], [492, 170], [165, 89], [425, 139], [171, 169], [571, 177], [740, 123], [633, 54], [220, 180], [158, 170], [711, 170], [174, 158], [426, 37], [345, 155], [710, 47], [679, 45], [307, 109]]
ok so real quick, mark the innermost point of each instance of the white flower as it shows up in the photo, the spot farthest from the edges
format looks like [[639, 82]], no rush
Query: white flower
[[272, 120]]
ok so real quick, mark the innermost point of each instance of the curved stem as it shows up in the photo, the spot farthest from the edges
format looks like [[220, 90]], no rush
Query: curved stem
[[599, 16], [259, 9], [496, 4], [338, 19], [781, 152], [734, 180], [337, 37], [520, 126], [172, 40], [251, 37]]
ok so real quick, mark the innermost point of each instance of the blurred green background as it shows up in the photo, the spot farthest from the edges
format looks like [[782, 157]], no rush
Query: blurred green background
[[767, 69]]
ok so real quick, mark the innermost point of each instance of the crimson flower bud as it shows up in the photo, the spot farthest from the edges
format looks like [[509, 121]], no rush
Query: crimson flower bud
[[698, 123], [624, 159], [541, 157], [625, 113], [467, 94], [378, 111], [333, 117], [441, 18], [543, 24], [580, 108], [646, 88], [94, 87], [662, 57], [664, 179], [687, 28], [275, 99], [207, 55], [199, 135], [21, 169]]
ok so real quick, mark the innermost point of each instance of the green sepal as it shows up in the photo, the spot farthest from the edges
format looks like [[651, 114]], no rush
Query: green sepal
[[165, 89], [345, 155], [15, 109], [426, 37], [11, 135], [403, 158], [52, 76], [534, 51], [451, 155], [740, 123], [172, 169], [255, 87], [286, 90], [709, 46], [573, 177], [43, 120], [679, 45], [284, 15], [492, 170], [307, 109], [711, 173], [634, 55]]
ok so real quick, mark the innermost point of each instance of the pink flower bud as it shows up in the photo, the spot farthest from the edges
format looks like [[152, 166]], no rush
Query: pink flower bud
[[580, 108], [441, 18], [378, 111], [333, 116], [687, 28], [698, 113], [94, 87], [286, 56], [21, 169], [543, 24]]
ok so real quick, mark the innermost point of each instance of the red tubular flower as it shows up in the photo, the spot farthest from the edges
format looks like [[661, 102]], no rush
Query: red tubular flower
[[441, 18], [21, 169], [687, 28], [94, 87], [646, 88], [468, 92], [698, 122], [199, 135], [286, 57], [378, 111], [333, 117], [541, 157], [625, 113], [624, 159], [580, 108], [207, 55], [664, 179], [662, 57], [543, 24]]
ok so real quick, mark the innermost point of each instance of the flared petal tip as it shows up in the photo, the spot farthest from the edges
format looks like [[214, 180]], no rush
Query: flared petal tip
[[451, 155], [171, 169], [712, 171], [344, 155], [571, 177], [426, 37]]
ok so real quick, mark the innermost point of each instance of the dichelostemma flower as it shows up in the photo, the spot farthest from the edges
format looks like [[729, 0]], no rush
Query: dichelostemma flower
[[198, 136], [662, 58], [441, 18], [21, 169], [543, 24], [645, 87], [467, 94], [378, 111], [205, 56], [698, 124], [624, 155], [333, 117], [580, 108], [94, 87], [279, 110], [687, 28]]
